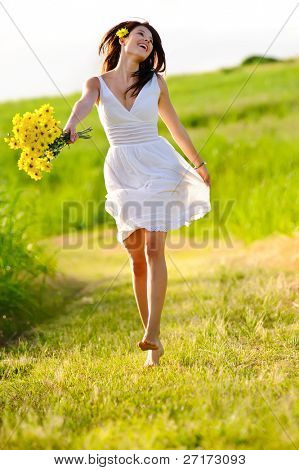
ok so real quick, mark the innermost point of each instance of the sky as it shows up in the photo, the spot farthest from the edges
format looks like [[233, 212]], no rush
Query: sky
[[51, 47]]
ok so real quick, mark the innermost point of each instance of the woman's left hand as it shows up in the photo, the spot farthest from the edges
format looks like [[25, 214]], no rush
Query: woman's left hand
[[203, 172]]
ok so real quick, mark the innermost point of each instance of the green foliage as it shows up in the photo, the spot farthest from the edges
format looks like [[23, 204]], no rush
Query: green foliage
[[253, 59], [24, 267]]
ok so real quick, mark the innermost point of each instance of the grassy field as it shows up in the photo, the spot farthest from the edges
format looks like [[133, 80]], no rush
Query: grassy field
[[227, 379], [252, 155], [71, 374]]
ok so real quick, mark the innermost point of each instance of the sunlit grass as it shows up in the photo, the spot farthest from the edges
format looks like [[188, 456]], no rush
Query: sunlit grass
[[227, 379], [74, 378]]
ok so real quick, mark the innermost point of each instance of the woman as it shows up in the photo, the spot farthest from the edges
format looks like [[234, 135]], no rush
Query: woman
[[143, 172]]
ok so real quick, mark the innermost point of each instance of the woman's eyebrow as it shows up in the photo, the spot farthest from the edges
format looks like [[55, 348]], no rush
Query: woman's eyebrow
[[151, 37]]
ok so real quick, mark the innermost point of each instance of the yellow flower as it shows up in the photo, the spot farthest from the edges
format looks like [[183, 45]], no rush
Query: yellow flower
[[33, 133], [46, 108], [16, 119], [49, 154], [27, 164], [21, 163], [121, 32], [13, 143], [27, 116], [35, 174], [43, 164]]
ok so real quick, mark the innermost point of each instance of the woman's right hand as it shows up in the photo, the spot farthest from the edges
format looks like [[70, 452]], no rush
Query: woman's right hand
[[73, 135]]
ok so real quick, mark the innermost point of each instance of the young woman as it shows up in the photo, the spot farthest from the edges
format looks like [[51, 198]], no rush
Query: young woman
[[151, 188]]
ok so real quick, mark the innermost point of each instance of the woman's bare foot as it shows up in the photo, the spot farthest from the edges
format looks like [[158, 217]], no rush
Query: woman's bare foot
[[153, 356], [145, 344]]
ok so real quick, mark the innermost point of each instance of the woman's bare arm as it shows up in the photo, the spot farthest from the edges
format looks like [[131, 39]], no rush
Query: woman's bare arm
[[177, 130], [83, 106]]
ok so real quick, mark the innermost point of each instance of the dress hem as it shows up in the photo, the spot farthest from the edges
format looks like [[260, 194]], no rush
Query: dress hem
[[172, 226]]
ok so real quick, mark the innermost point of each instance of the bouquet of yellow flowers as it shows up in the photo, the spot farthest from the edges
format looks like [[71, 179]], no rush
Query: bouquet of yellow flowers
[[40, 138]]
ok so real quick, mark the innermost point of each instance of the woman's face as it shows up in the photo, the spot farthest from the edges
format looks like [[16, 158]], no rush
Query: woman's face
[[139, 42]]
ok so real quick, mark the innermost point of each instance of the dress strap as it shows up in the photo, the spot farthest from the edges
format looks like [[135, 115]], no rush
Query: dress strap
[[101, 87], [157, 84]]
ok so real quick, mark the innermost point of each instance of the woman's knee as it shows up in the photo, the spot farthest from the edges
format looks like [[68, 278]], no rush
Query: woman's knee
[[154, 251], [155, 245]]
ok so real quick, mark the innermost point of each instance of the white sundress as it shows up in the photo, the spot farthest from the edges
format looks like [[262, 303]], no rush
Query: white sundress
[[149, 184]]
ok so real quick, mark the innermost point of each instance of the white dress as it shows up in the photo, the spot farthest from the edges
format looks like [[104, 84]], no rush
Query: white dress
[[149, 184]]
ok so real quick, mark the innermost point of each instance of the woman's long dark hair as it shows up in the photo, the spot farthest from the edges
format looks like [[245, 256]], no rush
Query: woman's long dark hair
[[111, 49]]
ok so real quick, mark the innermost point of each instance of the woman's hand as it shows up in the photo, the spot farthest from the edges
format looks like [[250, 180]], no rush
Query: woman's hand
[[73, 135], [203, 172]]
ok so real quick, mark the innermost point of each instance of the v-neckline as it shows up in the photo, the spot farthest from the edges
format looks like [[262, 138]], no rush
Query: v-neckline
[[119, 102]]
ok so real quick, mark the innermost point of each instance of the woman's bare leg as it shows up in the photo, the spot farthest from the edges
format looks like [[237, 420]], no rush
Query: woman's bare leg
[[157, 285], [140, 260], [154, 248], [135, 246]]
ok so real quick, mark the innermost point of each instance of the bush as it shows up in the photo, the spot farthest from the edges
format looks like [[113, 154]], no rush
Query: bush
[[258, 58], [23, 270]]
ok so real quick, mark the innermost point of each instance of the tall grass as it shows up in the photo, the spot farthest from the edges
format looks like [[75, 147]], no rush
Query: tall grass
[[25, 267]]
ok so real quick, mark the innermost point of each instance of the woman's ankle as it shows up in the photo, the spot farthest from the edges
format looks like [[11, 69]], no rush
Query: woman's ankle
[[151, 337]]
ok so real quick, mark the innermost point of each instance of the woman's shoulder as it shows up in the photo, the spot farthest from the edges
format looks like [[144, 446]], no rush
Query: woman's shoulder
[[161, 82], [92, 86], [159, 76], [161, 79], [92, 81]]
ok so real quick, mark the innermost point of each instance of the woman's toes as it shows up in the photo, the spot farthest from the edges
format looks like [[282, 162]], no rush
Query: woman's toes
[[149, 359], [154, 356]]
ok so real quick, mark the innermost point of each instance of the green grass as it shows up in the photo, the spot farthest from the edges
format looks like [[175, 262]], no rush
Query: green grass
[[72, 378], [24, 268], [252, 153], [227, 380]]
